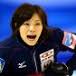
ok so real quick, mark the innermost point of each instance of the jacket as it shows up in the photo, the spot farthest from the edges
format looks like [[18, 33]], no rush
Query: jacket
[[21, 59]]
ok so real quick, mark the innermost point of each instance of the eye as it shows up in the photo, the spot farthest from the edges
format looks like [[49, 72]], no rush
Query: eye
[[26, 24], [37, 24]]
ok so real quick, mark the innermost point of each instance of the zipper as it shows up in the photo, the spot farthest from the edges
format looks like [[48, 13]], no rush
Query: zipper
[[34, 58]]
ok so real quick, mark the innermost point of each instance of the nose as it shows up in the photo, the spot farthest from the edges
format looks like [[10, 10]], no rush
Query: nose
[[32, 28]]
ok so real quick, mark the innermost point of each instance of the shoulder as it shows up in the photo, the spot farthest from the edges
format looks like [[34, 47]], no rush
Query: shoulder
[[55, 31], [56, 34], [8, 42]]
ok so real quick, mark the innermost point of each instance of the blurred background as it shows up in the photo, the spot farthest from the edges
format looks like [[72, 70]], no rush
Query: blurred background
[[60, 13]]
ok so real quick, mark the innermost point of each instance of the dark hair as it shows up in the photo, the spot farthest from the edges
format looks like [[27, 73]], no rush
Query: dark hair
[[24, 13]]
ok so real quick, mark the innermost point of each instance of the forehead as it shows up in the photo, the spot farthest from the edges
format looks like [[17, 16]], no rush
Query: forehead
[[35, 17]]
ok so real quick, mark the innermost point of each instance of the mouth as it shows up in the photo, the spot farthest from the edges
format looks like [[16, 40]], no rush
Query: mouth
[[31, 37]]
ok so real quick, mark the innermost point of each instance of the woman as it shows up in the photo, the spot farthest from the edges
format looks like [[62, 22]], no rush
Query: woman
[[34, 46]]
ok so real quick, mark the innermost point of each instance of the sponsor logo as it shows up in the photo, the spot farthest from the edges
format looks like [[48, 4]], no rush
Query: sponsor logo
[[2, 64], [22, 65], [69, 40], [46, 58]]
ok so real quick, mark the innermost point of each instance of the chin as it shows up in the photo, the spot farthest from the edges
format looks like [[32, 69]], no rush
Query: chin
[[32, 44]]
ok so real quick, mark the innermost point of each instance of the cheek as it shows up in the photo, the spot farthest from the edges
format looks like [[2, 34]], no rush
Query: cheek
[[39, 29], [23, 31]]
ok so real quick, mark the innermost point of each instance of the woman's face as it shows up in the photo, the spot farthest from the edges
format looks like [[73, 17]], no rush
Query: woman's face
[[31, 30]]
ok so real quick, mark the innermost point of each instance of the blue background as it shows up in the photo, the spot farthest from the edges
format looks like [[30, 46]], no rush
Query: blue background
[[60, 13]]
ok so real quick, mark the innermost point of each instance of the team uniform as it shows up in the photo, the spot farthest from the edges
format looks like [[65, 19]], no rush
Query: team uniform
[[21, 59]]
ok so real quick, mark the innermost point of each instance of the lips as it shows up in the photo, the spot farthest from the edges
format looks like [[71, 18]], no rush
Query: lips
[[31, 36]]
